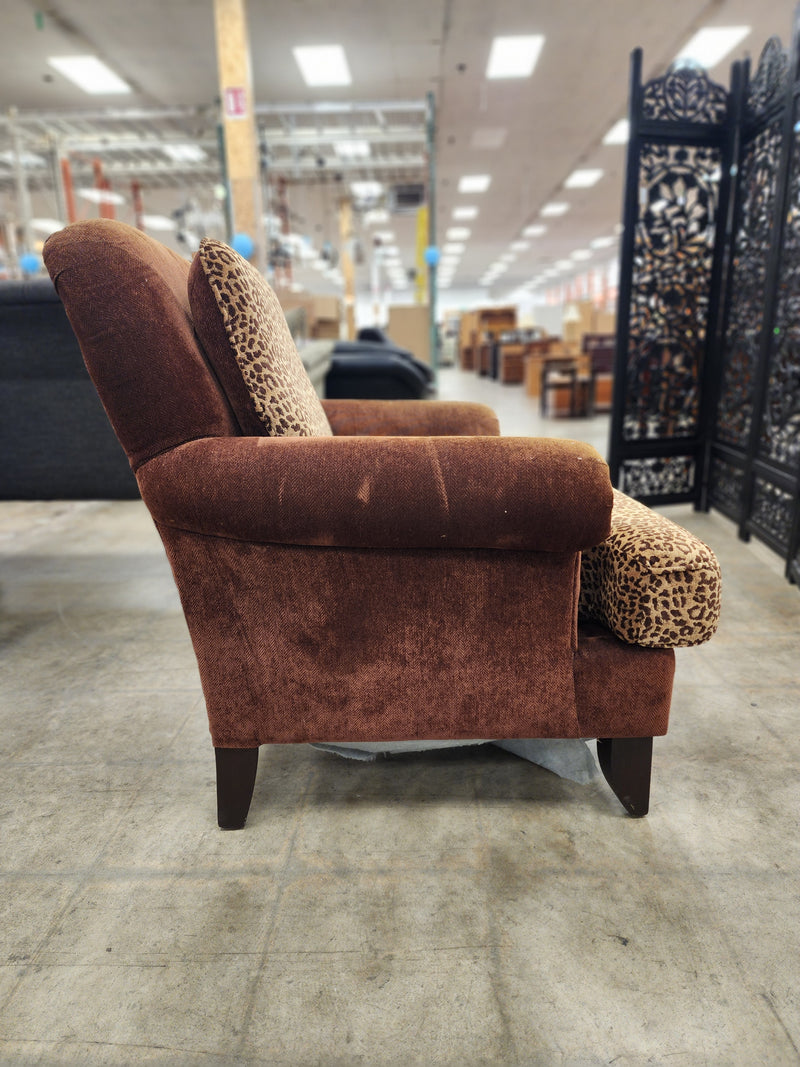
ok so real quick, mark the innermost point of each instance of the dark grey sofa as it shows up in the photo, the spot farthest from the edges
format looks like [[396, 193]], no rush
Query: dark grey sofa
[[55, 438]]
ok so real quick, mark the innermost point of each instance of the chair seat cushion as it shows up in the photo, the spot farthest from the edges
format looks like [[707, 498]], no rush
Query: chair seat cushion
[[651, 582], [244, 333]]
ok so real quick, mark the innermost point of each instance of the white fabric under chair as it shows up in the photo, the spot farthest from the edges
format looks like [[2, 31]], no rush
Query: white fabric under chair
[[563, 756]]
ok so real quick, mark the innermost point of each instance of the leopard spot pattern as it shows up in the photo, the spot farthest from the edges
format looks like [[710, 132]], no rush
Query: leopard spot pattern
[[651, 582], [281, 391]]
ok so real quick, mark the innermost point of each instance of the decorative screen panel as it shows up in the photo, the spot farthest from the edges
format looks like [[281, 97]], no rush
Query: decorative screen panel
[[685, 94], [672, 260], [780, 417], [773, 510], [726, 487], [657, 476], [758, 181]]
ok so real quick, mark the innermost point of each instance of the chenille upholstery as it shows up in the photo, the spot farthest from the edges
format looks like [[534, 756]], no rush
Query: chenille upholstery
[[413, 576]]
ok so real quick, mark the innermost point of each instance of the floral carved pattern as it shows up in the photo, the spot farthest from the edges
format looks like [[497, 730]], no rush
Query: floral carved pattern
[[726, 487], [772, 510], [657, 476], [748, 277], [769, 83], [685, 94], [780, 423], [673, 251]]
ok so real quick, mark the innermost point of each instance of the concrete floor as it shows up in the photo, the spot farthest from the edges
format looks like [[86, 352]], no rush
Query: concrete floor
[[459, 908]]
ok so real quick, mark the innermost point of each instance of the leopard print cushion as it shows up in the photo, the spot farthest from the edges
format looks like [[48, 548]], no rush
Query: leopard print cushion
[[651, 582], [243, 330]]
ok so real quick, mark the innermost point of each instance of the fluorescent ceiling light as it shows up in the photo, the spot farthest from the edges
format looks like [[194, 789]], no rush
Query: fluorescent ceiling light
[[184, 153], [508, 257], [366, 190], [488, 137], [564, 264], [553, 209], [474, 183], [453, 249], [458, 233], [47, 226], [101, 196], [710, 45], [619, 133], [534, 231], [581, 254], [351, 149], [158, 222], [583, 178], [27, 159], [89, 73], [465, 213], [519, 246], [376, 217], [603, 242], [385, 236], [324, 64], [514, 57]]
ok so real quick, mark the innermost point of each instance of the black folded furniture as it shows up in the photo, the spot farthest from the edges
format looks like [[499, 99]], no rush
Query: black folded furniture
[[55, 438], [372, 368]]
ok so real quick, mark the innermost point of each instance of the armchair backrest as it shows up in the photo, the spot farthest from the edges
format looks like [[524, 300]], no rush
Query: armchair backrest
[[126, 298]]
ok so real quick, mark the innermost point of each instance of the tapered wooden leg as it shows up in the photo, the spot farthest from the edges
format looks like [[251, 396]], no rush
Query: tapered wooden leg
[[236, 776], [625, 763]]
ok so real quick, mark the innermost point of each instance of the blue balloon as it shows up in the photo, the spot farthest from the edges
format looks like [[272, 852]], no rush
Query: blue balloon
[[243, 244], [432, 256], [30, 263]]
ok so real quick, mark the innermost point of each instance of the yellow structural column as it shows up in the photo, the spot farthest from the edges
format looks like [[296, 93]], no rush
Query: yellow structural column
[[239, 123], [348, 266]]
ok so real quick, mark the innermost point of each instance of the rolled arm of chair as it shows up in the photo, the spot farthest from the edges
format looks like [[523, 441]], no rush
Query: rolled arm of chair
[[651, 582], [444, 492], [409, 418]]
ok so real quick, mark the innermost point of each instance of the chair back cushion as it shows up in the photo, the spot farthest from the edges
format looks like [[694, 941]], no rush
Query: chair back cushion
[[244, 332], [126, 298]]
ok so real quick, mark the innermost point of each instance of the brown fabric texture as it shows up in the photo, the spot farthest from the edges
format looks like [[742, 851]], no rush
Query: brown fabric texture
[[126, 297], [307, 644], [528, 494], [410, 418], [621, 690], [651, 582], [255, 341]]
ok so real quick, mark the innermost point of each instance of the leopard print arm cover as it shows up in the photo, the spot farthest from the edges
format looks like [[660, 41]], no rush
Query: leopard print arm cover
[[651, 582]]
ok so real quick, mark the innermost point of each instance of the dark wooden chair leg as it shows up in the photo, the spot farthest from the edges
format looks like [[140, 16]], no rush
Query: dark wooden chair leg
[[625, 763], [236, 776]]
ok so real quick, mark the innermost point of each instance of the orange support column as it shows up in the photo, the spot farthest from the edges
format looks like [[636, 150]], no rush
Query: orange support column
[[69, 190]]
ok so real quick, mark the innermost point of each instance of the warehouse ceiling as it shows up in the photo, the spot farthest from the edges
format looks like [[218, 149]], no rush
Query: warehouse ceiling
[[527, 134]]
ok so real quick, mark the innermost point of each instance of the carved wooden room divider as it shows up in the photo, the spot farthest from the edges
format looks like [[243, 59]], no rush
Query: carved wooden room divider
[[707, 382]]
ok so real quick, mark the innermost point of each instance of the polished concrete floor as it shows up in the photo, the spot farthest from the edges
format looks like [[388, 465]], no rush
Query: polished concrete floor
[[456, 908]]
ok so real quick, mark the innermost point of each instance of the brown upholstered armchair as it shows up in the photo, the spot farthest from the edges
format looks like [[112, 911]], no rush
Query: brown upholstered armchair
[[372, 571]]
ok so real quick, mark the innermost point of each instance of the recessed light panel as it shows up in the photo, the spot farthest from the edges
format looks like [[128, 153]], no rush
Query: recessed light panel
[[474, 183], [619, 133], [464, 213], [351, 149], [534, 231], [709, 46], [553, 209], [323, 65], [492, 137], [583, 178], [514, 57], [458, 233], [90, 74]]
